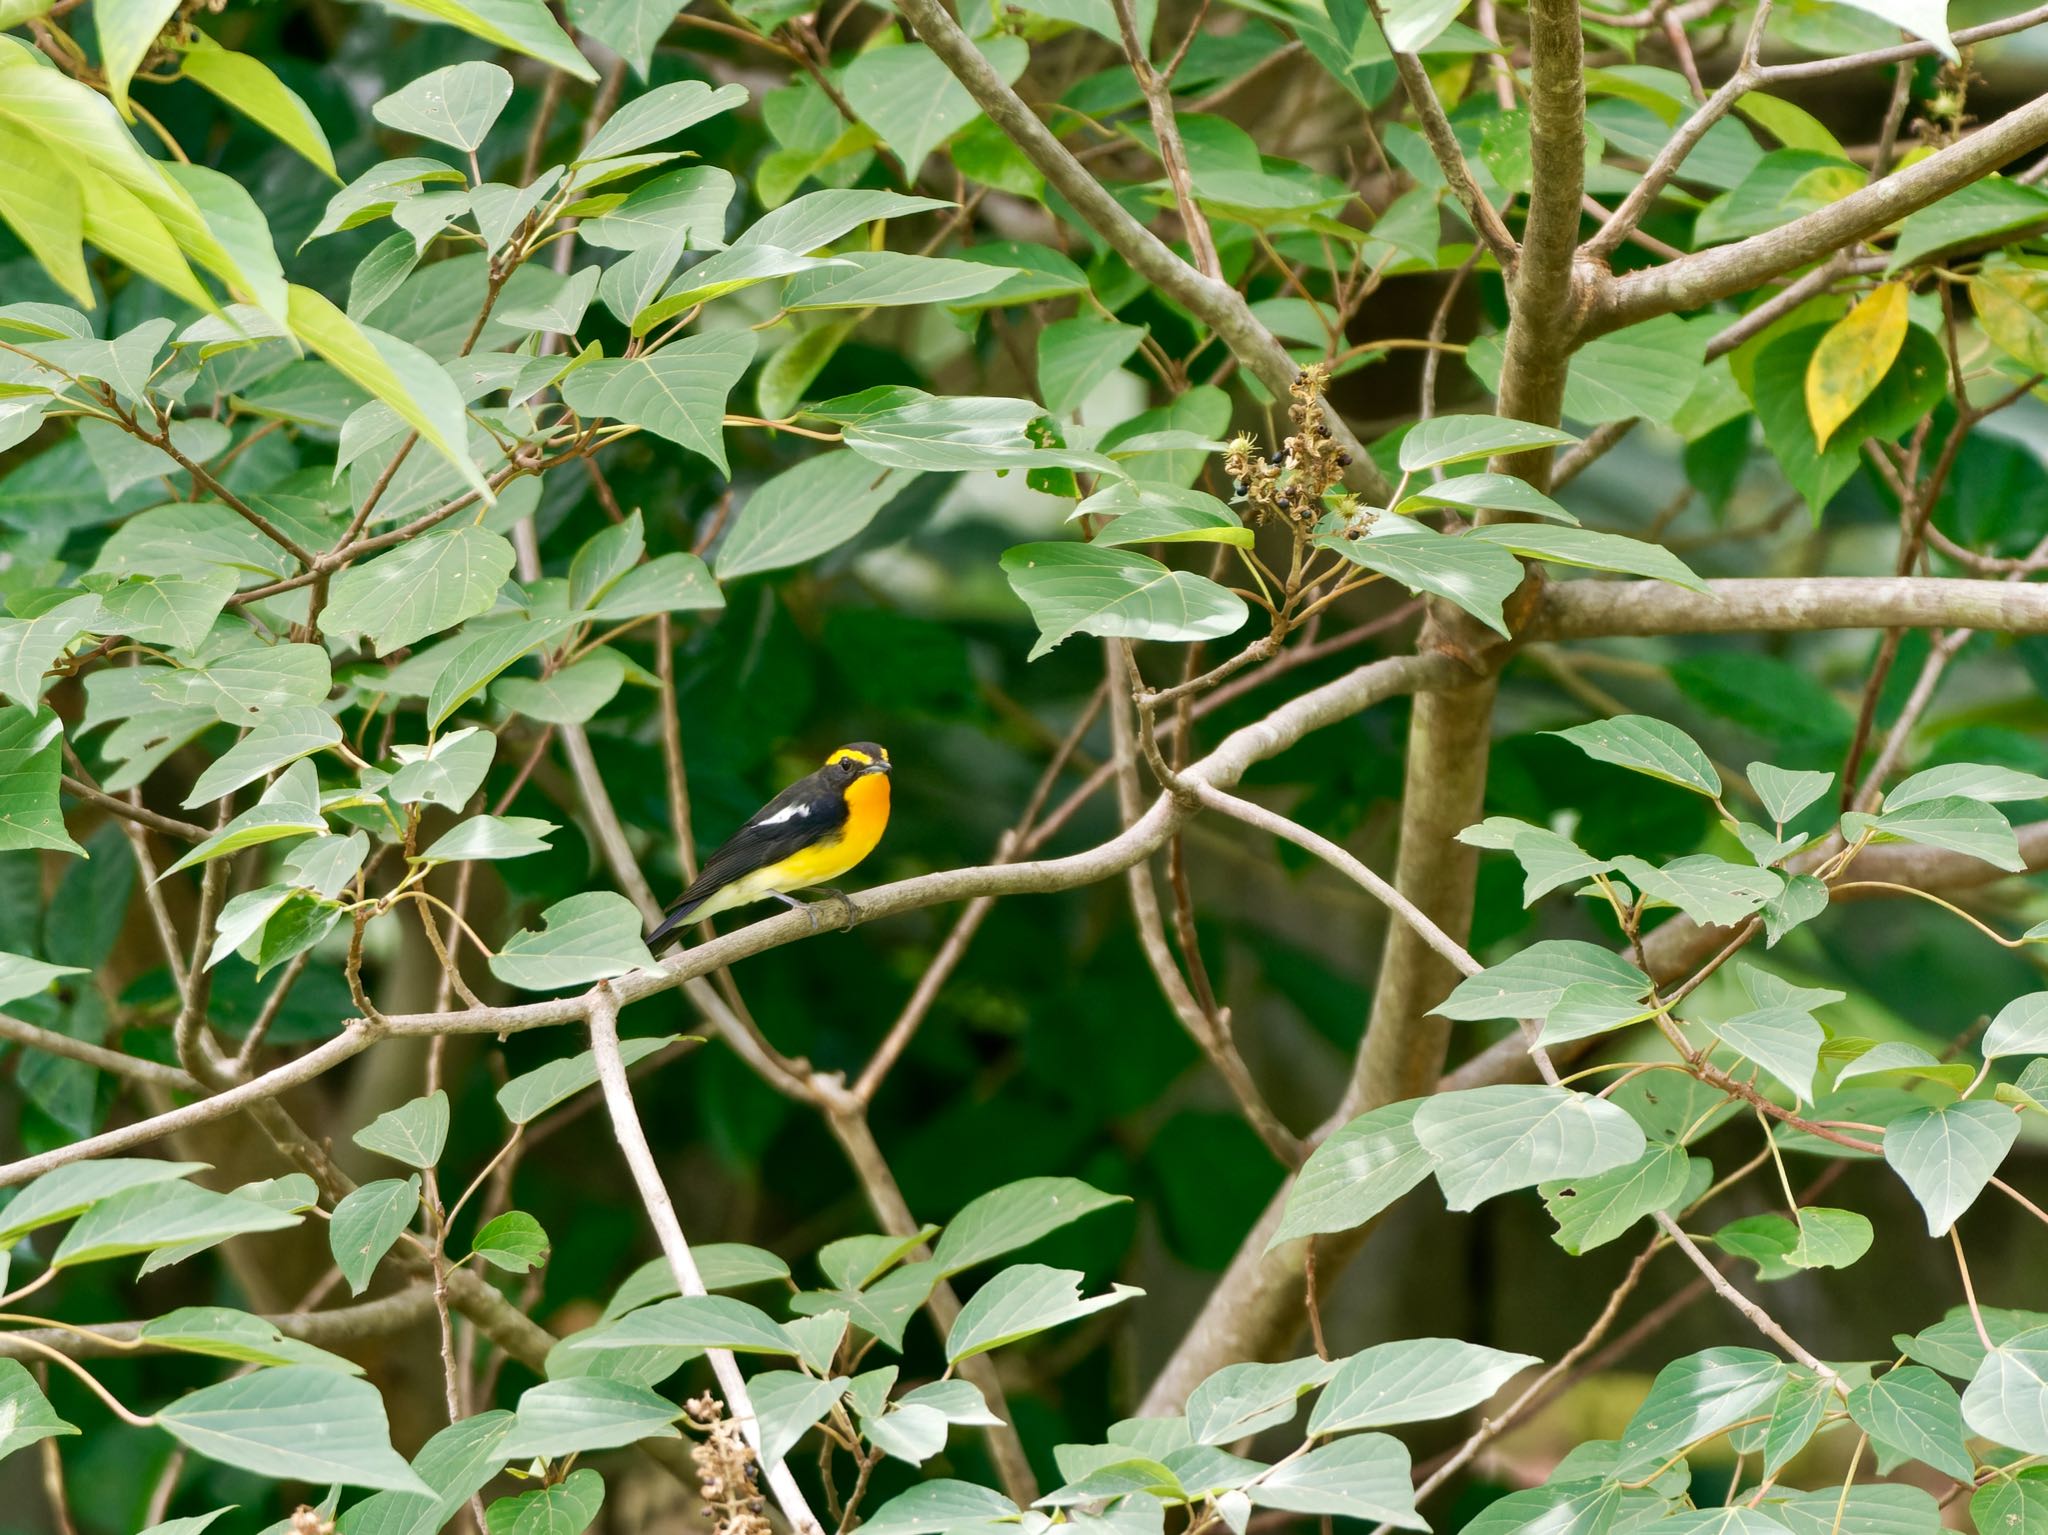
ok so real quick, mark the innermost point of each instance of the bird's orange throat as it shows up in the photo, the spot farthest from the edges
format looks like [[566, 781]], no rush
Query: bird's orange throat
[[867, 798]]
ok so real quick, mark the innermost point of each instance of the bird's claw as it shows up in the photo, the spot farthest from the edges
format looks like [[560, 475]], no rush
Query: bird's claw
[[841, 898]]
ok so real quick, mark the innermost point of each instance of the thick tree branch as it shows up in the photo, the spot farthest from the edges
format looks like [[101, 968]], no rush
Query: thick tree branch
[[1576, 610], [1722, 271]]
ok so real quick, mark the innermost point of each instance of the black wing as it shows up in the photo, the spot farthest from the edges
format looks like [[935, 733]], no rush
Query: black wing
[[808, 809]]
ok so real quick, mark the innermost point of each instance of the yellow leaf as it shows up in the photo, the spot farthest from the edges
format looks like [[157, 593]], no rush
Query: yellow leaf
[[2012, 309], [1853, 357]]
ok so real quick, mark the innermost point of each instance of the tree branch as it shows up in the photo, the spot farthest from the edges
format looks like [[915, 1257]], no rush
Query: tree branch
[[1605, 609], [1722, 271], [618, 1096]]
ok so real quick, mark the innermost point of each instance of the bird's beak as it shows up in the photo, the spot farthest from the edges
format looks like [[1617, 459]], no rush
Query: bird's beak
[[879, 767]]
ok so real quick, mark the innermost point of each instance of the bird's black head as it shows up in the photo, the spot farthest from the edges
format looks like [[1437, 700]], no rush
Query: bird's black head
[[861, 758]]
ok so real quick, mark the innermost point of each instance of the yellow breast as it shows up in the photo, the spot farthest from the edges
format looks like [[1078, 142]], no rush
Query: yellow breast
[[867, 807]]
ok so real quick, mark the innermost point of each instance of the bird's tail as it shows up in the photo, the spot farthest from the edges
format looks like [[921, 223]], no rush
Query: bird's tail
[[670, 924]]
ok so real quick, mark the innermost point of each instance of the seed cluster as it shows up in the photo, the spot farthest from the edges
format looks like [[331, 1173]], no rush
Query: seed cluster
[[1291, 481], [726, 1472]]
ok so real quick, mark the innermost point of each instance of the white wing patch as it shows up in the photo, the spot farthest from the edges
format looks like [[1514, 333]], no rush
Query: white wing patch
[[787, 813]]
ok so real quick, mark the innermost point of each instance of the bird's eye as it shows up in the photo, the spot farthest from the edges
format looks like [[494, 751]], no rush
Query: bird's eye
[[846, 764]]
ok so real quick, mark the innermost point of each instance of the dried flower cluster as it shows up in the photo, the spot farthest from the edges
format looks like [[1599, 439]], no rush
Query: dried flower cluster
[[1292, 481], [726, 1471], [307, 1520]]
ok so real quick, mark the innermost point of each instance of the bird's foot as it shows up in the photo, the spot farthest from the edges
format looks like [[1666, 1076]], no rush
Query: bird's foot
[[841, 898], [808, 908]]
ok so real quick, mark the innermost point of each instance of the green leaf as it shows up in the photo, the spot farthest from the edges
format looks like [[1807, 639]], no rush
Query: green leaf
[[1015, 1216], [1474, 575], [26, 1416], [1974, 212], [1966, 826], [659, 114], [222, 1333], [1645, 745], [524, 26], [453, 1464], [194, 1525], [568, 1417], [668, 583], [786, 1405], [367, 1222], [142, 1217], [1078, 588], [1985, 782], [696, 1321], [1356, 1173], [1947, 1155], [2007, 1399], [294, 1193], [525, 1098], [1241, 1399], [391, 370], [290, 807], [127, 29], [1710, 890], [687, 205], [818, 218], [1490, 1140], [2011, 303], [1594, 551], [2015, 1504], [1899, 1061], [454, 106], [1647, 370], [1795, 1415], [513, 1242], [2021, 1028], [1867, 1510], [251, 87], [477, 660], [1548, 860], [1785, 791], [177, 611], [590, 937], [1022, 1300], [569, 696], [885, 279], [1591, 1212], [275, 741], [1412, 1381], [677, 393], [806, 511], [1531, 983], [1694, 1399], [1783, 1040], [1853, 357], [939, 1505], [569, 1507], [446, 771], [1777, 387], [1459, 439], [31, 746], [430, 582], [413, 1133], [296, 1421], [911, 99], [490, 836], [1916, 1414], [1075, 357], [72, 1190], [1363, 1477], [1485, 492]]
